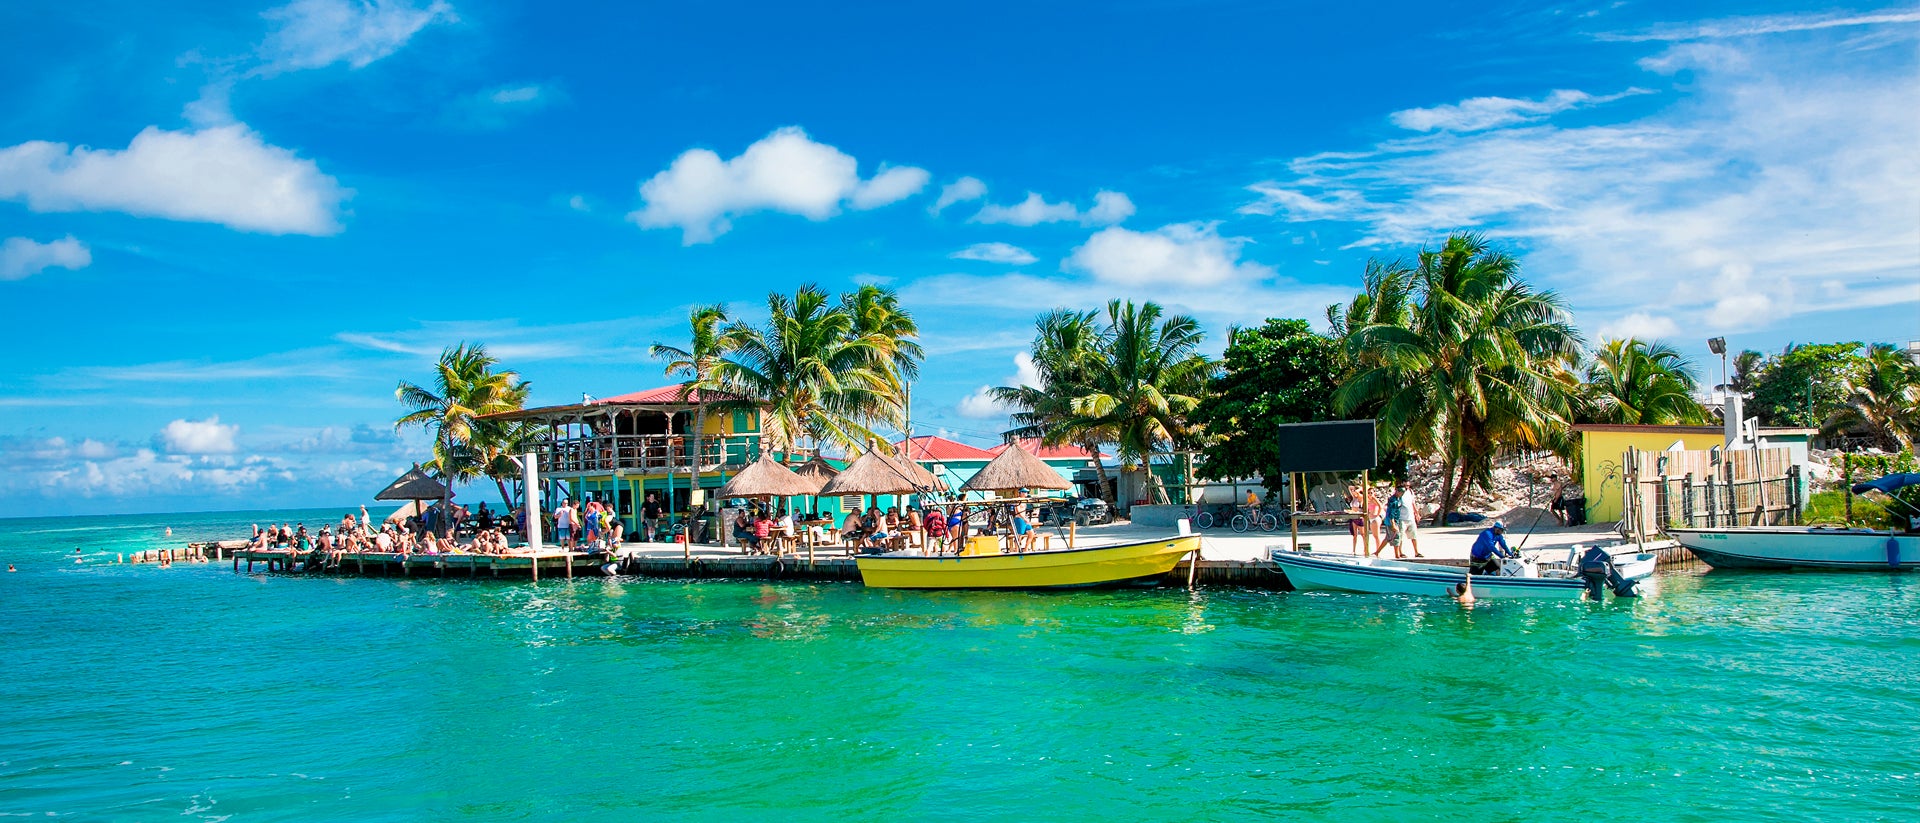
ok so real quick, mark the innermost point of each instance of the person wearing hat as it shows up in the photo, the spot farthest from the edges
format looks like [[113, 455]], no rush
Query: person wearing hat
[[1489, 547]]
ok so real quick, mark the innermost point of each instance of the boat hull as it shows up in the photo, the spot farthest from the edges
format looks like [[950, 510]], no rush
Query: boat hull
[[1368, 575], [1098, 566], [1800, 548]]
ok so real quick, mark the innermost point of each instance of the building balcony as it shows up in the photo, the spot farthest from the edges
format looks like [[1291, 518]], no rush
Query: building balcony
[[645, 453]]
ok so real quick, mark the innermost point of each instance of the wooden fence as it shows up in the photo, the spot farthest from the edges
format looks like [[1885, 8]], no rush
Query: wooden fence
[[1710, 489]]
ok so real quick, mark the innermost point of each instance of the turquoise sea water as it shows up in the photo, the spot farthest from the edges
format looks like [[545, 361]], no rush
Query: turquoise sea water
[[131, 692]]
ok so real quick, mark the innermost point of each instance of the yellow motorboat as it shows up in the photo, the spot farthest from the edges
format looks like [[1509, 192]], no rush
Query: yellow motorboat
[[1096, 566]]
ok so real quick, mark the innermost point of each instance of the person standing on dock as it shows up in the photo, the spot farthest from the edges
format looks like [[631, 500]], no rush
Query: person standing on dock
[[650, 516], [563, 524]]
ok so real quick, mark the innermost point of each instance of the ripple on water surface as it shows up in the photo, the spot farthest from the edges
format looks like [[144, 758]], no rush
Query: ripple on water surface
[[139, 693]]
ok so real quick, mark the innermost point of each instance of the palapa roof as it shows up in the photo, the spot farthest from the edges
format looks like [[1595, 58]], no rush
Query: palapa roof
[[819, 468], [875, 473], [767, 478], [1016, 468], [414, 485]]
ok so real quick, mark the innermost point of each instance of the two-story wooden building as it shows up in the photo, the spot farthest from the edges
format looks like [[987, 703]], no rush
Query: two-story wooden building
[[617, 449]]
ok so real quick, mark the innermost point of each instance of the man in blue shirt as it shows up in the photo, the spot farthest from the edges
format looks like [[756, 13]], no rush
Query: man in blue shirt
[[1489, 547]]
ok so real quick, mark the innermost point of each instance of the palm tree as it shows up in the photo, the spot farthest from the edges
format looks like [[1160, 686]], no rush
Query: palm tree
[[711, 337], [811, 375], [1068, 347], [1635, 382], [1149, 377], [889, 329], [1475, 360], [465, 388], [1883, 401]]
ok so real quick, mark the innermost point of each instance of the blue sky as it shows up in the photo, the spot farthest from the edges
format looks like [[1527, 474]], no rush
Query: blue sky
[[226, 231]]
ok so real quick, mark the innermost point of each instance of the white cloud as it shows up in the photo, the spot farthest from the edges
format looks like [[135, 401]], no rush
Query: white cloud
[[207, 436], [224, 174], [1782, 181], [959, 191], [579, 203], [310, 34], [996, 253], [1031, 211], [1182, 254], [23, 257], [1477, 113], [786, 171], [981, 405], [1639, 326], [891, 185], [1109, 207], [517, 95]]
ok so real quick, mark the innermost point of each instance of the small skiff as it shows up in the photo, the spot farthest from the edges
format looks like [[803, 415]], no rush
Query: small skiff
[[1096, 566]]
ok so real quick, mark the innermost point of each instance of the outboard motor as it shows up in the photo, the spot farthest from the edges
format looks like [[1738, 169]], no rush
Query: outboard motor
[[1596, 568]]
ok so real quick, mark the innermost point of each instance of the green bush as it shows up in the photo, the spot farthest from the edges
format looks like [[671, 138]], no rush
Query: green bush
[[1830, 508]]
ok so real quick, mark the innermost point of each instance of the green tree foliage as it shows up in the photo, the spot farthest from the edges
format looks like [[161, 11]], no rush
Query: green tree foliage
[[1636, 382], [1805, 384], [819, 371], [711, 336], [1068, 346], [1459, 357], [465, 389], [1881, 401], [1280, 372], [1131, 381]]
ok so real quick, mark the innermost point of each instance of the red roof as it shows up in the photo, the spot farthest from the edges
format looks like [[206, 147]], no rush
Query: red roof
[[929, 447], [664, 394], [1032, 444]]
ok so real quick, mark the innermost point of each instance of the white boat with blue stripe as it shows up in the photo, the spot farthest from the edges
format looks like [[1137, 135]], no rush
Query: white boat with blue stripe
[[1378, 575]]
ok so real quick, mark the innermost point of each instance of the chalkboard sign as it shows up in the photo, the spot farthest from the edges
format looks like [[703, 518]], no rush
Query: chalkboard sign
[[1333, 446]]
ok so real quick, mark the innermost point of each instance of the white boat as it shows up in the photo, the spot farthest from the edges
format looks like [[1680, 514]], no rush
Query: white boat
[[1630, 564], [1801, 547], [1378, 575]]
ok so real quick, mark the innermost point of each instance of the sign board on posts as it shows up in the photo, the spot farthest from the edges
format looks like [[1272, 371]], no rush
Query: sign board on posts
[[1331, 446]]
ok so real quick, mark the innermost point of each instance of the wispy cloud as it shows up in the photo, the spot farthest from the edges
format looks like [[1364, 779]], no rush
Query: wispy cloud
[[1765, 24], [996, 253], [311, 34], [1477, 113], [1784, 182]]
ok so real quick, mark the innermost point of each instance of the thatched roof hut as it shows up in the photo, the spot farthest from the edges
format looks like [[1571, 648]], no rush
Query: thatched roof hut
[[414, 485], [875, 473], [767, 478], [1016, 468], [817, 469]]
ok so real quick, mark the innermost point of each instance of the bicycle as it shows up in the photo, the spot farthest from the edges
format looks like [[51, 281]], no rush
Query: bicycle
[[1249, 517]]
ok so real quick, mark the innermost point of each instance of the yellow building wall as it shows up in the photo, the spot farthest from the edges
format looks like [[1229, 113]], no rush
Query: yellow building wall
[[1603, 453]]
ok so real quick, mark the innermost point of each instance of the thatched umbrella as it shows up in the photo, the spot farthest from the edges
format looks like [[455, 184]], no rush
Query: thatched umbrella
[[1015, 468], [817, 468], [767, 478], [875, 473], [416, 485]]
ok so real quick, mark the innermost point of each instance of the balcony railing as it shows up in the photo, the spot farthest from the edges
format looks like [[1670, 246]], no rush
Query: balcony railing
[[645, 453]]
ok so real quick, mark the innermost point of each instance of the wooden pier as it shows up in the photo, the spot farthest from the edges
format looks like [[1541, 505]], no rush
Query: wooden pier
[[393, 564]]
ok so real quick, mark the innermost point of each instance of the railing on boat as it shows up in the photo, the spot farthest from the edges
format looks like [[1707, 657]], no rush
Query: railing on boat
[[645, 453]]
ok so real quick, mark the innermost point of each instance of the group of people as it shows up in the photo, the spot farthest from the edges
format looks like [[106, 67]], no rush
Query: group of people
[[360, 534], [1390, 519], [936, 529], [594, 526]]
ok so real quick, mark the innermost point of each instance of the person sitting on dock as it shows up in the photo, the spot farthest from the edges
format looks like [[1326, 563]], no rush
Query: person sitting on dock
[[1489, 547], [852, 529], [762, 529]]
